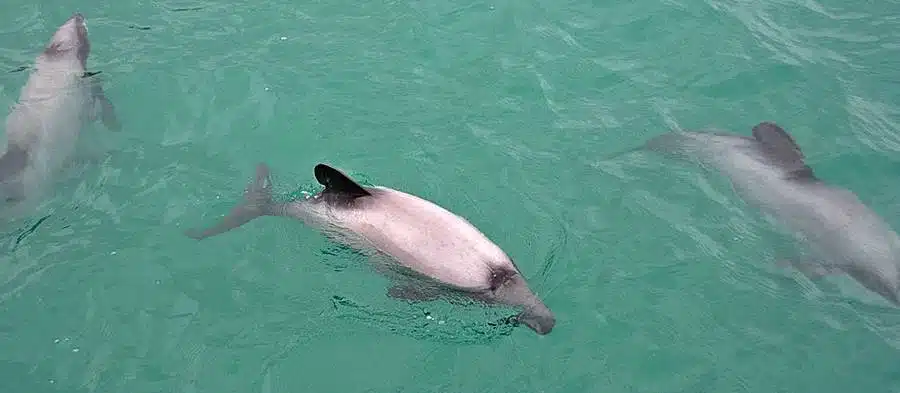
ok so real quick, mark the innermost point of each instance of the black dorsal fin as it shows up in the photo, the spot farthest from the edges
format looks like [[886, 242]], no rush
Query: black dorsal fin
[[777, 141], [782, 148], [337, 183]]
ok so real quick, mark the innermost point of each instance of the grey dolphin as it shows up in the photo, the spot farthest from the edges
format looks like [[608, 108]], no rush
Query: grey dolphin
[[58, 100], [425, 239], [768, 171]]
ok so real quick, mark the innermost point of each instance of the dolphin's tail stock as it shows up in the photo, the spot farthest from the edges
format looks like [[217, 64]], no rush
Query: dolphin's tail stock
[[257, 202]]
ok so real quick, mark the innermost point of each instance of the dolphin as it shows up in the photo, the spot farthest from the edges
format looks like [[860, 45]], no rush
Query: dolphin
[[768, 170], [442, 251], [59, 98]]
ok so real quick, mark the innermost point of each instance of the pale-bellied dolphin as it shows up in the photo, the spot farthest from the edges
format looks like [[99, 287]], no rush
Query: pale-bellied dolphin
[[58, 100], [769, 172], [422, 237]]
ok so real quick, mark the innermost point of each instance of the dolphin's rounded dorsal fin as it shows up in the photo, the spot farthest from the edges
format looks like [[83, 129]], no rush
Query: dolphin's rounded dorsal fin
[[778, 141], [782, 148], [337, 183]]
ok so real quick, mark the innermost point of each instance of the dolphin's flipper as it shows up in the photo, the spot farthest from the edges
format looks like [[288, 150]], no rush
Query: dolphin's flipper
[[257, 202], [12, 163], [107, 112], [412, 293], [782, 148], [12, 190], [103, 107], [338, 184]]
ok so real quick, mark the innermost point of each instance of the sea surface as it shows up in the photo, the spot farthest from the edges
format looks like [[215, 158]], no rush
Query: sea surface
[[520, 116]]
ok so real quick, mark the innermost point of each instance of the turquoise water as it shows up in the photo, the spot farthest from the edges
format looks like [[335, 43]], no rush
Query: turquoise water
[[511, 114]]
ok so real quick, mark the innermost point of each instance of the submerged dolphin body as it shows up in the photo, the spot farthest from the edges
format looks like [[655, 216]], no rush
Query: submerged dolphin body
[[768, 171], [58, 100], [427, 241]]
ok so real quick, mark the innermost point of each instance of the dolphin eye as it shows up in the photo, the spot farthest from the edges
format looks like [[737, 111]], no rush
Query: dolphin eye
[[500, 276]]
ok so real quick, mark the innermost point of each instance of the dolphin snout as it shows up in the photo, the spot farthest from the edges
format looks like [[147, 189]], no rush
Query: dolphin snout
[[535, 314], [76, 21], [80, 21], [71, 37], [541, 322]]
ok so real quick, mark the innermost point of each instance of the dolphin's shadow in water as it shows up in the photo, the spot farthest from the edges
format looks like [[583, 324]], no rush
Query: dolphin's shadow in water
[[423, 325], [337, 256], [417, 322]]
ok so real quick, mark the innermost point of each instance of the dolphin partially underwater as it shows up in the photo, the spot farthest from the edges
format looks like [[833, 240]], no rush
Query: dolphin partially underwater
[[59, 98], [769, 172], [443, 252]]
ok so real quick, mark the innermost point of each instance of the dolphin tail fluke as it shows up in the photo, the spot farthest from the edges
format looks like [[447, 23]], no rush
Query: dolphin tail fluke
[[257, 202]]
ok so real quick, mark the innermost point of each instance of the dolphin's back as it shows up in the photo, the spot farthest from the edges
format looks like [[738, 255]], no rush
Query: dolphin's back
[[53, 106], [416, 233], [427, 238]]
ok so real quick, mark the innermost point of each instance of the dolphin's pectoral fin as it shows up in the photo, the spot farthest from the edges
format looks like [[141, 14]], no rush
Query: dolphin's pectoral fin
[[782, 148], [13, 191], [337, 183], [412, 293], [13, 161], [104, 109], [811, 270]]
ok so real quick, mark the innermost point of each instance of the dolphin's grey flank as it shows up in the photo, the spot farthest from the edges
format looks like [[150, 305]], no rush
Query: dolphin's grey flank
[[425, 239], [59, 98], [769, 172]]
